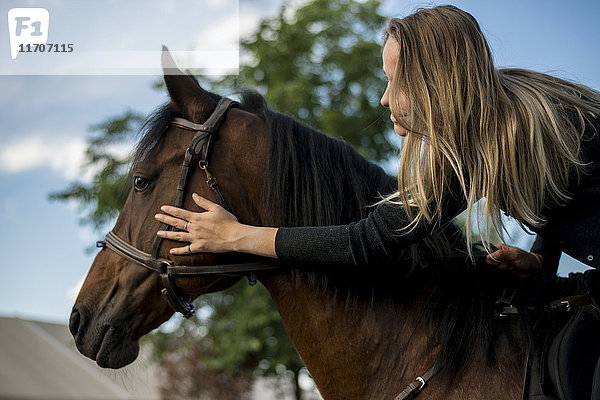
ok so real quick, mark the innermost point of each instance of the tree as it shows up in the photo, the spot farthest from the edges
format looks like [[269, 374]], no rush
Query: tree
[[236, 337], [321, 63]]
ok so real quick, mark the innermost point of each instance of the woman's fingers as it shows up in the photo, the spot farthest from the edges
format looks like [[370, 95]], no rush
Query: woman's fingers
[[179, 236], [513, 259], [186, 215], [181, 251], [204, 203], [495, 257], [211, 230], [174, 222], [178, 212]]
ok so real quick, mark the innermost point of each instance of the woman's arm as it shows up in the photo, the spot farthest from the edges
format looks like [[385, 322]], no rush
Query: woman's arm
[[376, 238]]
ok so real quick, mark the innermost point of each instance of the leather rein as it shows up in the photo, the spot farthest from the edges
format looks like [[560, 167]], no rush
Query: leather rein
[[198, 149]]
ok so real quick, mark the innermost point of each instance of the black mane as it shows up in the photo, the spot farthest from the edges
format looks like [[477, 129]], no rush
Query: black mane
[[314, 180]]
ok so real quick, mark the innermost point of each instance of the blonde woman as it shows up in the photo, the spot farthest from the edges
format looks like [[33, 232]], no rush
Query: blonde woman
[[525, 141]]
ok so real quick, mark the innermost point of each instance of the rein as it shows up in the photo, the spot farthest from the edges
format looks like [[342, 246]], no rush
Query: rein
[[199, 148]]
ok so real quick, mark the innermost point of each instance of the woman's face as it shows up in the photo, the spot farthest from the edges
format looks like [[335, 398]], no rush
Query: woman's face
[[391, 52]]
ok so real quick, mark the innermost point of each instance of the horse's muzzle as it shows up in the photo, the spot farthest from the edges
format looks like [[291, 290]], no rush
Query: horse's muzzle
[[101, 341]]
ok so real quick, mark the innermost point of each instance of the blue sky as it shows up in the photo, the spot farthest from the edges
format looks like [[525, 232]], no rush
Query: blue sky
[[45, 120]]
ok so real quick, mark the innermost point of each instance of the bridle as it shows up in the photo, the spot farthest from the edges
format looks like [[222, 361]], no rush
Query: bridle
[[199, 149]]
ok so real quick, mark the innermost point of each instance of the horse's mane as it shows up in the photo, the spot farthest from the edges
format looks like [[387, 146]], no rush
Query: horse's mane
[[314, 180]]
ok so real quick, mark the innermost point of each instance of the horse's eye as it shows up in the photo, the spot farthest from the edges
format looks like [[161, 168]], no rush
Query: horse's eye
[[140, 183]]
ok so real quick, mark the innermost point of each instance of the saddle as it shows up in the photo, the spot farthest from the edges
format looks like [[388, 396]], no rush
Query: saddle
[[564, 357]]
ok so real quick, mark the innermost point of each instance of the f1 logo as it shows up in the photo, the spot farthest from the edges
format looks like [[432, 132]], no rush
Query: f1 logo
[[27, 26]]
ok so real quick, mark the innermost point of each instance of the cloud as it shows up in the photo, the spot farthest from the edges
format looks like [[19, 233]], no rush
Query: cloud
[[62, 156], [65, 156], [222, 35], [87, 235]]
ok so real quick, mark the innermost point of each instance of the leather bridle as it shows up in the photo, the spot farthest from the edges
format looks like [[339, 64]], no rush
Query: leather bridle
[[198, 149]]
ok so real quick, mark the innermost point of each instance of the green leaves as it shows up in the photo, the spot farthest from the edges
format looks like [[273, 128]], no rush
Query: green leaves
[[237, 334], [322, 64], [244, 329]]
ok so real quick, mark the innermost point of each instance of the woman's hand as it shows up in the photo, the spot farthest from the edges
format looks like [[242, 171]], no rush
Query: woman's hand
[[516, 260], [214, 231]]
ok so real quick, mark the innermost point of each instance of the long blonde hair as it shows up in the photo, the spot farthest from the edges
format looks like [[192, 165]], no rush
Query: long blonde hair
[[509, 135]]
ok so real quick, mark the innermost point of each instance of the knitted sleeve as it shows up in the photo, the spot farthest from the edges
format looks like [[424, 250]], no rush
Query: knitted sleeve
[[373, 239], [550, 251]]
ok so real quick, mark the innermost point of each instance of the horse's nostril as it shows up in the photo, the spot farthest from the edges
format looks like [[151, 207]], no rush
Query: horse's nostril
[[77, 322], [74, 322]]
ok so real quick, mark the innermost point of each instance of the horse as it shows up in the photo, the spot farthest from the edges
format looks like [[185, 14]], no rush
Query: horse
[[362, 332]]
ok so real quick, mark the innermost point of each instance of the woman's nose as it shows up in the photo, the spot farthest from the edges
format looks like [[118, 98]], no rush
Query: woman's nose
[[385, 99]]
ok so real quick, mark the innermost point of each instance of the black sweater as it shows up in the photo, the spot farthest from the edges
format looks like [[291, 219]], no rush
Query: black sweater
[[573, 228]]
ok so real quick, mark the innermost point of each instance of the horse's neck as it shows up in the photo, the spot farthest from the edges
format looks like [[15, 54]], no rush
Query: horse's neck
[[352, 350], [373, 350]]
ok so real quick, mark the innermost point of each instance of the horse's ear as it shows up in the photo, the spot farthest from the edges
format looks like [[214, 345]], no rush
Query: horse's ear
[[192, 77], [187, 97]]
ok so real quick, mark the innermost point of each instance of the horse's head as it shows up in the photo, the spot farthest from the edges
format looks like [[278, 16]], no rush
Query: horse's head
[[120, 301]]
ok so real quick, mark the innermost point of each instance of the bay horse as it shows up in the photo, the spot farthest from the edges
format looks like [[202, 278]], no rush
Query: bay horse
[[362, 332]]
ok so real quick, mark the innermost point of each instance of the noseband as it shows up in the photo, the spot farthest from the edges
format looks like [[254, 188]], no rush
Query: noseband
[[198, 149]]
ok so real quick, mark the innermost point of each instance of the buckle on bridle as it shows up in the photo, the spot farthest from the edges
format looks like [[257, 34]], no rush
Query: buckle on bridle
[[168, 264], [210, 180], [565, 306]]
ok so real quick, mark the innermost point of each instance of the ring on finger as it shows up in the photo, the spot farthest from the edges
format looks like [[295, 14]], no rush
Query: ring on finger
[[185, 226], [189, 248]]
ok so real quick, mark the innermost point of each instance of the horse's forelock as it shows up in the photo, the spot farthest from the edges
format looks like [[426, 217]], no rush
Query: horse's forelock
[[152, 131], [155, 126]]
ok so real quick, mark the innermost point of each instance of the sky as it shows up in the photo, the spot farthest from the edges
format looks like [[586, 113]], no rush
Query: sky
[[45, 119]]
